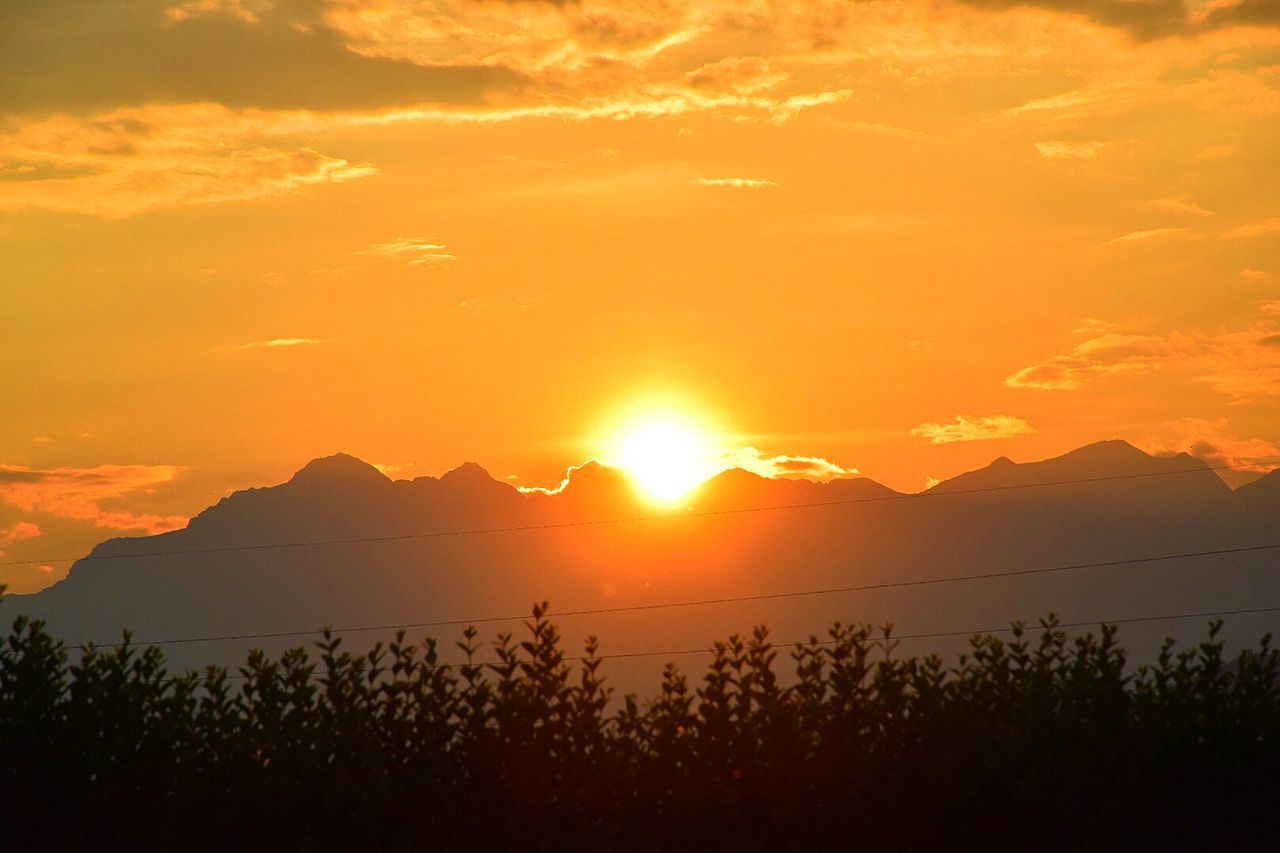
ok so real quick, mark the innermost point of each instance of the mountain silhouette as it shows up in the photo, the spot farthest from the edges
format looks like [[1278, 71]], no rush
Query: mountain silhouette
[[1122, 465], [342, 544]]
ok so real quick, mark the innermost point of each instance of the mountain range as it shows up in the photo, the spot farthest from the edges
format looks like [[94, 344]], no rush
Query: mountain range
[[341, 544]]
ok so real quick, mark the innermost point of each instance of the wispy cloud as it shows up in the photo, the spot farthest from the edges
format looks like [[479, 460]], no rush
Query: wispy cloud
[[1241, 363], [973, 428], [1103, 355], [91, 495], [1149, 234], [18, 531], [1259, 228], [418, 251], [742, 75], [737, 183], [1212, 441], [1064, 101], [115, 115], [273, 343], [1182, 206], [1058, 149], [783, 466], [1255, 275], [131, 161], [390, 468]]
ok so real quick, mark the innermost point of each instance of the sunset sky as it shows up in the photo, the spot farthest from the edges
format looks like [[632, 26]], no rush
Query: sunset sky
[[901, 238]]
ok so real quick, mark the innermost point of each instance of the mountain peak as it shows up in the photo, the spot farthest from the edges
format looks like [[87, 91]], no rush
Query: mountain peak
[[342, 468], [467, 472], [1111, 451], [1101, 460]]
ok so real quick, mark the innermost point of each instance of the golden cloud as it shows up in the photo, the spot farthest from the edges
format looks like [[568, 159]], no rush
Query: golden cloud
[[419, 251], [737, 183], [18, 531], [969, 428], [1104, 355], [1181, 206], [782, 466], [1211, 441], [121, 106], [81, 494], [1149, 234], [1259, 228], [131, 161], [1241, 363], [275, 343], [1061, 150]]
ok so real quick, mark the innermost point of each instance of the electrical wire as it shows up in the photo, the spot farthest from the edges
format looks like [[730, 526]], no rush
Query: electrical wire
[[444, 623]]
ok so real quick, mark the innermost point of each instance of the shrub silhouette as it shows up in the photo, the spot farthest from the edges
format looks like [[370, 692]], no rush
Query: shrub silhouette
[[1045, 743]]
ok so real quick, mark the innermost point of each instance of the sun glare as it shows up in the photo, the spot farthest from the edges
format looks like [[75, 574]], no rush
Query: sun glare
[[665, 455]]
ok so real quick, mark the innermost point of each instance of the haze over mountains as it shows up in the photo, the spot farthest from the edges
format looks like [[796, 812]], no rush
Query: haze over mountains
[[1108, 501]]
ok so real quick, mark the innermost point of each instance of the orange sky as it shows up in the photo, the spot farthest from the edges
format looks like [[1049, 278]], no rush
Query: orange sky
[[901, 237]]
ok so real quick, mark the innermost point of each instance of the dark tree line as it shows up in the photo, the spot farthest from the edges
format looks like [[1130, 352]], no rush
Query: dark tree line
[[1044, 741]]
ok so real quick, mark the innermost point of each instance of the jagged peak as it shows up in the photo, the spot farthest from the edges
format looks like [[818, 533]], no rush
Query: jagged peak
[[338, 468], [1115, 449], [737, 475], [1098, 460], [467, 472]]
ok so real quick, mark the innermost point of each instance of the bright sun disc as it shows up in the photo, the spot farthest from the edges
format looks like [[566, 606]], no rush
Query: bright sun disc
[[664, 456]]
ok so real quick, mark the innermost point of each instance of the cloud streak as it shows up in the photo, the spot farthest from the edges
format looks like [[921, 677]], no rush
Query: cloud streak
[[1149, 234], [1061, 150], [1243, 363], [128, 162], [1101, 356], [1212, 441], [89, 494], [276, 343], [118, 107], [784, 467], [973, 428], [1260, 228], [17, 532], [419, 251], [1179, 206], [736, 183]]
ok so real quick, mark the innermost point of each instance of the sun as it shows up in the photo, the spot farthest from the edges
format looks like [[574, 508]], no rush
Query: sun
[[666, 455]]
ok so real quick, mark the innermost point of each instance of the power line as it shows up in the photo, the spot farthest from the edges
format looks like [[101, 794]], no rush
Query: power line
[[438, 534], [889, 637], [930, 635], [633, 608]]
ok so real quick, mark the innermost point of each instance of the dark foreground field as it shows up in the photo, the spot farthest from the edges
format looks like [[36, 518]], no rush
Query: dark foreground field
[[1045, 741]]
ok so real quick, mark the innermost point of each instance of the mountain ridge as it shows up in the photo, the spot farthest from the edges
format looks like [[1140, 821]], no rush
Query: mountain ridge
[[341, 543]]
